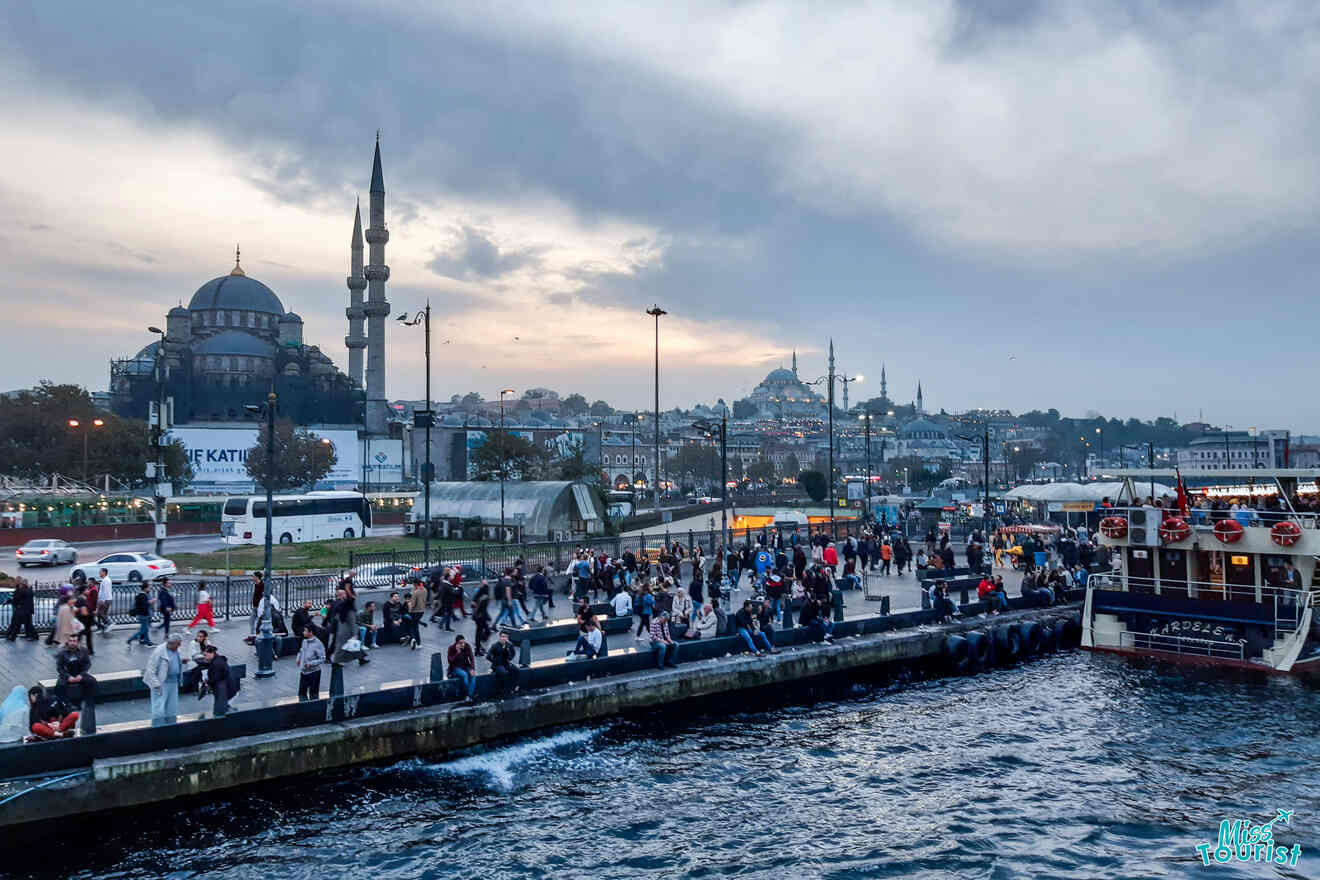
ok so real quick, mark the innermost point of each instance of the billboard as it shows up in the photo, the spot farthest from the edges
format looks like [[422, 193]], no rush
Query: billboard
[[217, 455]]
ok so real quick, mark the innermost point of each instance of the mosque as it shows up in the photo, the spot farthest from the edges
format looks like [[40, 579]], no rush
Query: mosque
[[782, 394], [235, 342]]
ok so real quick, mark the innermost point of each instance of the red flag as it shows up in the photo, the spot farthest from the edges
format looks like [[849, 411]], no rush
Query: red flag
[[1183, 505]]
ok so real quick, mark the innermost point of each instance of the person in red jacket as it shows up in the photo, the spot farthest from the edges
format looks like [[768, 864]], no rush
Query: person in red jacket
[[831, 558], [986, 592]]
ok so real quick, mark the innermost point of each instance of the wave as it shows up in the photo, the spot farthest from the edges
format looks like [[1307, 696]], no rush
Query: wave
[[501, 764]]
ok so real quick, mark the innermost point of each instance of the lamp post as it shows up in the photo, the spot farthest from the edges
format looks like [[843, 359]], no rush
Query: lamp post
[[158, 440], [424, 317], [1227, 465], [503, 449], [632, 465], [655, 311], [1101, 434], [866, 418], [266, 634], [709, 428], [75, 424], [1255, 462]]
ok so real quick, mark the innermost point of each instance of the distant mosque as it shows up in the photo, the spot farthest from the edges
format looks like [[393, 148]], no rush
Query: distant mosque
[[782, 394], [235, 342]]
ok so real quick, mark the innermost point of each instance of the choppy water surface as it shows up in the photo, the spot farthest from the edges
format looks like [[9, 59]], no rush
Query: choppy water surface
[[1070, 766]]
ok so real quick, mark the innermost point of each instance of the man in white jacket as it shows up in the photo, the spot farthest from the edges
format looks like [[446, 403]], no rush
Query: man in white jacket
[[161, 675]]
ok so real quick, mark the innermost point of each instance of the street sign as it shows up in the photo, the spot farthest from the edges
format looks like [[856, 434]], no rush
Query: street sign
[[160, 531], [228, 528]]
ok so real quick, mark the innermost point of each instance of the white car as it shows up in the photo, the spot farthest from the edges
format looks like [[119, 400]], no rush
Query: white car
[[131, 567], [45, 551]]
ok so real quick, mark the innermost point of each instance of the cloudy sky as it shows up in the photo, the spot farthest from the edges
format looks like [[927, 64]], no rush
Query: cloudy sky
[[1091, 206]]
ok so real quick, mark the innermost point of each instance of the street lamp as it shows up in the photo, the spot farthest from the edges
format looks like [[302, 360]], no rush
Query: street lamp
[[503, 448], [424, 317], [866, 418], [266, 635], [655, 311], [1255, 463], [709, 428], [75, 424], [1101, 434], [158, 439]]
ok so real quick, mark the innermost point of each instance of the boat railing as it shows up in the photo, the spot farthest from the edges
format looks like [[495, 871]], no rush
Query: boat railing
[[1289, 604], [1248, 517], [1182, 645]]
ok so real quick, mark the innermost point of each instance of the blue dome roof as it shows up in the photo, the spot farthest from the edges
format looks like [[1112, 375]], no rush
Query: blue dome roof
[[291, 318], [236, 292], [177, 312], [922, 426], [235, 342], [779, 375]]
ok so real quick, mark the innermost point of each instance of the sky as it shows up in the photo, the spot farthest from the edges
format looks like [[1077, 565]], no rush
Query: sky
[[1098, 207]]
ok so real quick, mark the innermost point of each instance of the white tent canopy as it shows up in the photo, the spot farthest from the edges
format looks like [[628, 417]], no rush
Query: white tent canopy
[[1081, 491]]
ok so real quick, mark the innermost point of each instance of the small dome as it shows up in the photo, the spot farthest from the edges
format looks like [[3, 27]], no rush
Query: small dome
[[922, 426], [453, 420], [481, 422], [235, 342], [236, 292], [291, 318], [177, 312], [780, 375]]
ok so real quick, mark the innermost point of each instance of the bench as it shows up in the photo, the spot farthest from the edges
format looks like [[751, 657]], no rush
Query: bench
[[562, 630], [128, 684]]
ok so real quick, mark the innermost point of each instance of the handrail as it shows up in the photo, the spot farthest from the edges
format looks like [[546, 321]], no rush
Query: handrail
[[1176, 644], [1249, 517], [1299, 596]]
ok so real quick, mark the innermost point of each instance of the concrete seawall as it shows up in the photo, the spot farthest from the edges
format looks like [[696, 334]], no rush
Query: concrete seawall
[[214, 766]]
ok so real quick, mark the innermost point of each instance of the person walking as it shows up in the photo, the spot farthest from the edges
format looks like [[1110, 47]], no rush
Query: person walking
[[105, 594], [162, 674], [142, 612], [204, 611], [66, 624], [258, 591], [886, 557], [221, 680], [343, 619], [539, 585], [310, 658], [165, 603], [416, 611], [84, 612], [22, 606]]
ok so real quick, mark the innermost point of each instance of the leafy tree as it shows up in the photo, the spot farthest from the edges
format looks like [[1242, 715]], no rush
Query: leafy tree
[[791, 465], [573, 405], [744, 409], [521, 458], [573, 465], [699, 462], [761, 471], [301, 458], [601, 408], [814, 484]]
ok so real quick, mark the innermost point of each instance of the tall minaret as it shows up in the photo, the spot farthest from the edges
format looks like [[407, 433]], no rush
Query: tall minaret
[[795, 363], [357, 283], [921, 407], [377, 273], [884, 386]]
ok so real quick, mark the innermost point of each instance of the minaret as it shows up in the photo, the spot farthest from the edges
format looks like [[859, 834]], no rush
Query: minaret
[[921, 408], [376, 273], [357, 283], [884, 386], [795, 375]]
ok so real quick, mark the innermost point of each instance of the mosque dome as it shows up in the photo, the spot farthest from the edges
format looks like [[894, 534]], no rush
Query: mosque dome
[[235, 342], [291, 318], [177, 312], [236, 291], [778, 376]]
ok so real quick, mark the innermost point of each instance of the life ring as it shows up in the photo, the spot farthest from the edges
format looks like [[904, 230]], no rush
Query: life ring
[[1174, 529], [1114, 527], [1285, 533], [1229, 531]]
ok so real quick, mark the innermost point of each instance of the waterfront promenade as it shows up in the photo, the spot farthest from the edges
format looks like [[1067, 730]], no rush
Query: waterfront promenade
[[24, 662]]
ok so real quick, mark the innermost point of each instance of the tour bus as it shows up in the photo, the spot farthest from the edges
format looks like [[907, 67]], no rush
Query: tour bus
[[316, 516]]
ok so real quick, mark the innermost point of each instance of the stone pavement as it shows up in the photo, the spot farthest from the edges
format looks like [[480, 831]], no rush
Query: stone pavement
[[24, 662]]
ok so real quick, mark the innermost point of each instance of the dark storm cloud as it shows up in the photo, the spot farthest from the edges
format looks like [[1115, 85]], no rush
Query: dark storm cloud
[[475, 256]]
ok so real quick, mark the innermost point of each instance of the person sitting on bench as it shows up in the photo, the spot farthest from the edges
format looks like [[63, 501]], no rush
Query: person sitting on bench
[[463, 665], [589, 641], [749, 628], [49, 717], [503, 665], [812, 616], [76, 685]]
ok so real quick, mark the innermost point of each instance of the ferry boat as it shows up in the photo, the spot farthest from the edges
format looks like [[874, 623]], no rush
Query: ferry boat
[[1198, 585]]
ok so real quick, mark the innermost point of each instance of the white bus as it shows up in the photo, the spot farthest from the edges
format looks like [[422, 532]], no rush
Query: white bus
[[316, 516]]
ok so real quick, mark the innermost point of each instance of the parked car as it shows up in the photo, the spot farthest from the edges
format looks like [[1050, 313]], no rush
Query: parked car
[[472, 572], [46, 551], [378, 574], [130, 567]]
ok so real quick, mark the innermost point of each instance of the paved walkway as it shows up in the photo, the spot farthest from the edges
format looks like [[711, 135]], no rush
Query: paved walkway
[[24, 662]]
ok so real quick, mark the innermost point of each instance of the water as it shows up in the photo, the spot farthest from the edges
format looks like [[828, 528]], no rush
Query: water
[[1071, 766]]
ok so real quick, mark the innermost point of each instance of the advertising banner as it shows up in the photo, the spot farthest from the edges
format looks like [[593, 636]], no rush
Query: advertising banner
[[217, 455]]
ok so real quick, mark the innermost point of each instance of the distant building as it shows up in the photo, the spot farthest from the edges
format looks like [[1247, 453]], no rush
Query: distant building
[[1235, 450], [782, 394]]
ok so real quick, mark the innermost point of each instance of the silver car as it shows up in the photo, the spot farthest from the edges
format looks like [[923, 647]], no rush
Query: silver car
[[45, 551]]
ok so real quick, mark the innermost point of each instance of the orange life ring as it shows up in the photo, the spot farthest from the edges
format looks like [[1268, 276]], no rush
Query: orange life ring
[[1114, 527], [1286, 533], [1229, 531], [1174, 529]]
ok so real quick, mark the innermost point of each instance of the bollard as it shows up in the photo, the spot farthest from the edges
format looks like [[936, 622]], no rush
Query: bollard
[[604, 644], [525, 653], [837, 601], [336, 680], [438, 666], [788, 612], [963, 599], [884, 606]]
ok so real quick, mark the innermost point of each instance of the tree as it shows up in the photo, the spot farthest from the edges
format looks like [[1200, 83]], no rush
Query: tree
[[601, 408], [814, 484], [521, 458], [301, 458], [573, 405], [761, 471], [744, 409], [573, 464], [698, 461], [791, 465]]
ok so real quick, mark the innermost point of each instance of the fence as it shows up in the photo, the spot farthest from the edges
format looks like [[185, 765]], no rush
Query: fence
[[231, 597]]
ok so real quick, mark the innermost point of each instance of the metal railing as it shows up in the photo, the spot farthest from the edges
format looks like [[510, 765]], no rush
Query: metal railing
[[1289, 604], [1182, 645], [1202, 517]]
